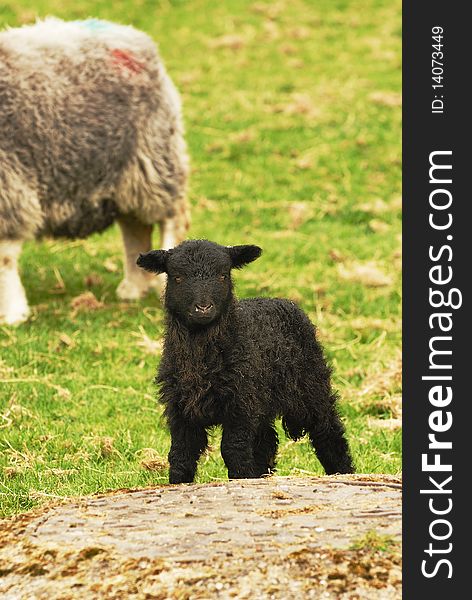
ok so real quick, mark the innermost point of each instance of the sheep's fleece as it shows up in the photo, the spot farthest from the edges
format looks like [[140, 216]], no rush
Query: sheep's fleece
[[90, 132]]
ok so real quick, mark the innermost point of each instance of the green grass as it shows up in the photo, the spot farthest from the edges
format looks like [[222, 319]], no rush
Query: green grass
[[375, 542], [293, 125]]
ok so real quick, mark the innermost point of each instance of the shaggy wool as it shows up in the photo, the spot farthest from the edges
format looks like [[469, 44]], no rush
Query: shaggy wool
[[90, 129], [239, 364]]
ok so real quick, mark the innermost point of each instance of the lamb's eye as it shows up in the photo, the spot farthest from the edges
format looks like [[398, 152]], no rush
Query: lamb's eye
[[178, 279]]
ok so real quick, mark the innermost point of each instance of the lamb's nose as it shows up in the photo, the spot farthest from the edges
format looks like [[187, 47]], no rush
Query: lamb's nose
[[203, 309]]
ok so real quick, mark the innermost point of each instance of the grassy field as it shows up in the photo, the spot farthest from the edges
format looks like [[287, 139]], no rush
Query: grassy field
[[292, 111]]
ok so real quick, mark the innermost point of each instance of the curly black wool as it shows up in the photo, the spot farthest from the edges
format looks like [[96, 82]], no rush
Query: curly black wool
[[239, 364]]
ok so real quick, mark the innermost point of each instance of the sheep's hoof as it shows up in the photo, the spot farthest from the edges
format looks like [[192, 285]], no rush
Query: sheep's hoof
[[158, 284], [130, 291], [15, 316]]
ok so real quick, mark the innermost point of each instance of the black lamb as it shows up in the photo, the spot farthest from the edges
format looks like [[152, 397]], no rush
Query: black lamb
[[239, 364]]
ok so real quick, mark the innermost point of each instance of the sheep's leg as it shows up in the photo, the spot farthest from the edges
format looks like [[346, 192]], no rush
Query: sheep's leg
[[187, 445], [237, 445], [331, 446], [13, 304], [265, 450], [137, 238], [169, 239]]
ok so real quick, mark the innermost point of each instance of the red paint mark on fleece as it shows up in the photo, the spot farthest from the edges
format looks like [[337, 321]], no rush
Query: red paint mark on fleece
[[126, 60]]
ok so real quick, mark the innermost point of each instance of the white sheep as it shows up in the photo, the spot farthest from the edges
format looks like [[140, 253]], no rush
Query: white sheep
[[90, 132]]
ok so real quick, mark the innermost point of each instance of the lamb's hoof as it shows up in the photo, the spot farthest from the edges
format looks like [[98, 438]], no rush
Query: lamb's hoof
[[14, 316], [130, 291]]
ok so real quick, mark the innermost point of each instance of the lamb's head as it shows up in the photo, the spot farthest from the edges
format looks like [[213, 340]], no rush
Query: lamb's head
[[199, 285]]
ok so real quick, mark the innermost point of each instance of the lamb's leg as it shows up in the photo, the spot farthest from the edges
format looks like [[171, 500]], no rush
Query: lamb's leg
[[13, 304], [137, 238], [331, 446], [237, 445], [187, 445], [265, 450]]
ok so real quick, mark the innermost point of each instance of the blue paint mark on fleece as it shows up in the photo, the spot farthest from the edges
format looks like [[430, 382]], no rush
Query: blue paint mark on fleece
[[96, 25]]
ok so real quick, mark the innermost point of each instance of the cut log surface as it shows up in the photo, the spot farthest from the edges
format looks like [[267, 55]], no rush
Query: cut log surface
[[279, 537]]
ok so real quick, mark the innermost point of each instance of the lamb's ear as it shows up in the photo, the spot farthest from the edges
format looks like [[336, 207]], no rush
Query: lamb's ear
[[154, 261], [241, 255]]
